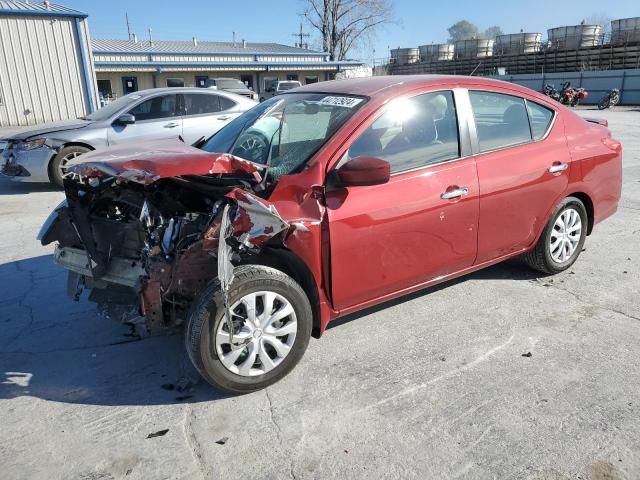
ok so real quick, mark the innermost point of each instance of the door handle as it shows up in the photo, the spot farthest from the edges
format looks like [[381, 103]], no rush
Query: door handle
[[224, 117], [455, 193], [558, 167], [172, 125]]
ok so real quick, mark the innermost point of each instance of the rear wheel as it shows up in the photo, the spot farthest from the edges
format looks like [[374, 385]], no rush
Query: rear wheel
[[604, 103], [271, 321], [58, 166], [562, 240]]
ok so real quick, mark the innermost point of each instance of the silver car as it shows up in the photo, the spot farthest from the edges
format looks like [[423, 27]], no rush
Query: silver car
[[40, 153]]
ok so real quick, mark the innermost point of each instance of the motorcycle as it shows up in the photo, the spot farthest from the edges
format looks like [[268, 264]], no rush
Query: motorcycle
[[611, 99], [572, 96], [550, 91]]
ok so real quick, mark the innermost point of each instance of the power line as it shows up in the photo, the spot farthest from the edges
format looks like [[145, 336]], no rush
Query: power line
[[300, 35]]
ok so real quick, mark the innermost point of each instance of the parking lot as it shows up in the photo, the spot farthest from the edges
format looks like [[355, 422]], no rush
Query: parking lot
[[502, 374]]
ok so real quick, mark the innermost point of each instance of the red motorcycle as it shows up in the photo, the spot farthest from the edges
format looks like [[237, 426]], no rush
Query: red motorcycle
[[571, 96]]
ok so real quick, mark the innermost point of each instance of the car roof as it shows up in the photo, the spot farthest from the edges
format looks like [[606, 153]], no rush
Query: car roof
[[392, 85], [207, 91]]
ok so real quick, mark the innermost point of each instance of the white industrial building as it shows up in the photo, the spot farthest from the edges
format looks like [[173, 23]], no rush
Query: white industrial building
[[50, 69]]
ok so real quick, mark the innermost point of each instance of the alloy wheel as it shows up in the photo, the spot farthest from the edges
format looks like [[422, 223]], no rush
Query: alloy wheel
[[65, 160], [264, 331], [565, 235]]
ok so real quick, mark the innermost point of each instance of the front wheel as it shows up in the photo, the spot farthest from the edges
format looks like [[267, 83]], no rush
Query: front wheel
[[58, 166], [271, 321], [562, 239], [604, 103]]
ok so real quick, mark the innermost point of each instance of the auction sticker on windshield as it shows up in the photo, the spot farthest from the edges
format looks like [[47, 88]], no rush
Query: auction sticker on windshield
[[348, 102]]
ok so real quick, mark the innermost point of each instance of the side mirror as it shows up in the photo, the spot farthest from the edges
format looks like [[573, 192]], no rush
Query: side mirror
[[362, 171], [126, 119]]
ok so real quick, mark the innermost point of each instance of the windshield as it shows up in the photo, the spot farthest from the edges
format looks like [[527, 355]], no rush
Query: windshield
[[230, 83], [114, 107], [288, 85], [287, 130]]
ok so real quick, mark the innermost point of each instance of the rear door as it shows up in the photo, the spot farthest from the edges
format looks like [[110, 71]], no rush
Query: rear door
[[205, 114], [420, 225], [523, 169], [156, 118]]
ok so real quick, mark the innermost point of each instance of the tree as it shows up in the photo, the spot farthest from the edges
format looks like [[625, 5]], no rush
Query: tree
[[462, 30], [600, 18], [492, 32], [344, 23]]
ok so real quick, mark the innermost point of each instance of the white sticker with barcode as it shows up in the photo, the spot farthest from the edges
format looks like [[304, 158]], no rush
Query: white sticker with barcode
[[348, 102]]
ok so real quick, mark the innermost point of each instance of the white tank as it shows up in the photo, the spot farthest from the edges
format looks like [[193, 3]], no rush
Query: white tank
[[405, 56], [474, 48], [574, 37], [436, 52], [625, 30], [515, 43]]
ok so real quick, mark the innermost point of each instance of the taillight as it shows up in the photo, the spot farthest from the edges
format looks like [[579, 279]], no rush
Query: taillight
[[612, 144]]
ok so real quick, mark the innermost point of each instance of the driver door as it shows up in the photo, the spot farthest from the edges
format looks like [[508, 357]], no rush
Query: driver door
[[419, 226], [156, 118]]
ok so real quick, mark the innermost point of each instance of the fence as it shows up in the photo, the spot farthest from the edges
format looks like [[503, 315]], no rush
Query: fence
[[596, 83]]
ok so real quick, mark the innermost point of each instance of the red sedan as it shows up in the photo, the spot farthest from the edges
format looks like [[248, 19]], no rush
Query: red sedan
[[326, 200]]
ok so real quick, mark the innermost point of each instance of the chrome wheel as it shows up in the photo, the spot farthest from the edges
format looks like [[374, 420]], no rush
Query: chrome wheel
[[565, 235], [264, 331], [62, 167]]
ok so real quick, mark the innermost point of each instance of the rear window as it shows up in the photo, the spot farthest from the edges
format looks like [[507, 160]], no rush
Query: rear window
[[229, 83], [501, 120], [540, 119], [288, 85]]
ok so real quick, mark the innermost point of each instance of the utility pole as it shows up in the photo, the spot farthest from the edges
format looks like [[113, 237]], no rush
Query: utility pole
[[301, 36], [126, 15], [150, 38]]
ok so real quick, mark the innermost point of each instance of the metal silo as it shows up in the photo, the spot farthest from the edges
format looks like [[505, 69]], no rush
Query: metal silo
[[517, 43], [436, 52], [405, 56], [474, 48], [574, 37], [625, 30]]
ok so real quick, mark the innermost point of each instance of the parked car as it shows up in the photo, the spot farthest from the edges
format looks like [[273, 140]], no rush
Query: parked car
[[328, 200], [279, 88], [232, 85], [41, 153]]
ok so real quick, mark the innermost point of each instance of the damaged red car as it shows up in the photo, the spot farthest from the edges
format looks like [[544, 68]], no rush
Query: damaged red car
[[327, 200]]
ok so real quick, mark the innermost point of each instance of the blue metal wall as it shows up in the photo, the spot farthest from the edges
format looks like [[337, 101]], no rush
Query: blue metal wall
[[597, 83]]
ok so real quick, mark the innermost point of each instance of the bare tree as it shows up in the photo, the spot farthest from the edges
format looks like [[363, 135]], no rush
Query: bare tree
[[343, 23], [492, 32], [462, 30]]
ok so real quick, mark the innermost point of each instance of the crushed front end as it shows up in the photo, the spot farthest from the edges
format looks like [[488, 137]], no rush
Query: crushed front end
[[135, 232]]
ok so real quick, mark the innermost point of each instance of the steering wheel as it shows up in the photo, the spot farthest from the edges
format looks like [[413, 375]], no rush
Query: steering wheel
[[252, 146]]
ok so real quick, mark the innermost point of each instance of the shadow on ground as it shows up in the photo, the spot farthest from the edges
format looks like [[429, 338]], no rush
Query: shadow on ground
[[9, 187], [59, 350]]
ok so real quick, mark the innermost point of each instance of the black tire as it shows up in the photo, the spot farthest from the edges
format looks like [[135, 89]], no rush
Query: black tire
[[604, 103], [539, 258], [207, 313], [55, 175]]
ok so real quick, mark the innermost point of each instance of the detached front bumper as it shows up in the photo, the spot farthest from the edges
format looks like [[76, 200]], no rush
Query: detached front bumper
[[26, 165]]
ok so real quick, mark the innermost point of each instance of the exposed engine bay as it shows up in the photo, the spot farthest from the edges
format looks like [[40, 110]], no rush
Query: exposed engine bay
[[127, 227]]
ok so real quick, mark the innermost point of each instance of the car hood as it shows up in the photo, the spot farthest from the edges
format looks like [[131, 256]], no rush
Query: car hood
[[22, 133], [146, 163]]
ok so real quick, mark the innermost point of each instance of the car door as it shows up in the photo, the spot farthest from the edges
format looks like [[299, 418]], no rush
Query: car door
[[523, 169], [155, 118], [205, 114], [419, 226]]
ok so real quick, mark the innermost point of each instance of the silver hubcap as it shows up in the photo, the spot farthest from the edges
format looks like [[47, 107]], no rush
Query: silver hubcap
[[565, 235], [265, 328], [65, 160]]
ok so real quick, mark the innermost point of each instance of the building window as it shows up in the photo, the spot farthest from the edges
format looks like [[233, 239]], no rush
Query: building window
[[175, 82], [201, 81], [270, 84], [104, 88], [292, 76], [313, 79]]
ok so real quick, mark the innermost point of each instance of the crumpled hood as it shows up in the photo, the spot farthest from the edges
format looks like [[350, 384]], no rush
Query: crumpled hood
[[22, 133], [147, 162]]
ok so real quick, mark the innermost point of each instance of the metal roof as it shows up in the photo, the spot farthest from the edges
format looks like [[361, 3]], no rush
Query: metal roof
[[37, 8], [189, 47]]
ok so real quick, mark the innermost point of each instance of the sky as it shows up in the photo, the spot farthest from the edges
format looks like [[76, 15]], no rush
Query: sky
[[418, 22]]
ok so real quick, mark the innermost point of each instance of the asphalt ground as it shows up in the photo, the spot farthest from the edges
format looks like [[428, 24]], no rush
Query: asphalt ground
[[501, 374]]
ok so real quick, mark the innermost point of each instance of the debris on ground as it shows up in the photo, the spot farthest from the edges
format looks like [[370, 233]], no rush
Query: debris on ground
[[528, 354], [222, 441], [159, 433]]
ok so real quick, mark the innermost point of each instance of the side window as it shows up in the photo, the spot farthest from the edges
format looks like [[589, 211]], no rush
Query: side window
[[501, 120], [540, 118], [157, 107], [200, 104], [226, 104], [412, 133]]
